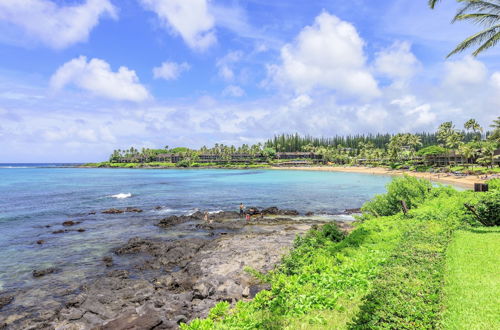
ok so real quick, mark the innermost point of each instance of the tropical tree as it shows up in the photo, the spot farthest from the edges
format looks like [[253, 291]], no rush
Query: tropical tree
[[449, 136], [495, 135], [482, 12], [473, 125]]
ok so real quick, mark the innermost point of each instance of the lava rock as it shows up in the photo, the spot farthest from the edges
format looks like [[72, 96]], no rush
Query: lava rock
[[5, 300], [43, 272], [108, 261], [70, 223], [113, 211], [60, 231], [133, 321], [40, 242], [133, 209]]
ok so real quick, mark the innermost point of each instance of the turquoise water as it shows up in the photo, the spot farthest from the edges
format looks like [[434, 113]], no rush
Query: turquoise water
[[35, 201]]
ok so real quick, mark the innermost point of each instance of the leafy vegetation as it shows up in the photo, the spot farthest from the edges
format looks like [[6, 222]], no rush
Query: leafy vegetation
[[411, 190], [388, 273]]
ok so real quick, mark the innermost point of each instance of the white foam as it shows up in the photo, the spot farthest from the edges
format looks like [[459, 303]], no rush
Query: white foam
[[164, 210], [121, 195]]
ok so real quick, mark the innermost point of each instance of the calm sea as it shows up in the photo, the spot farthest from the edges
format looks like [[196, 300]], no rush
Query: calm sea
[[36, 198]]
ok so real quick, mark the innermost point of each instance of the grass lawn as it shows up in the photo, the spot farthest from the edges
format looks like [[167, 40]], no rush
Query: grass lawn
[[472, 280]]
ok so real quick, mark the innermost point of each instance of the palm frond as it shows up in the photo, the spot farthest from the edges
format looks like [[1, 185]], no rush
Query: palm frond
[[488, 44], [432, 3], [478, 18], [487, 38], [493, 6]]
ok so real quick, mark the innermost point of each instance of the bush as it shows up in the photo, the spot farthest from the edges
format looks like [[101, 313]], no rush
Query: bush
[[411, 190], [493, 184], [487, 208]]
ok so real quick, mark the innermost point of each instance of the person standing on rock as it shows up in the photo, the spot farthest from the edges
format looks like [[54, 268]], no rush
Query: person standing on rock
[[242, 208], [205, 217]]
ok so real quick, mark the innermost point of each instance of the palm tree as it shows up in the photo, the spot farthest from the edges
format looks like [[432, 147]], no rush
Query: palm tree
[[495, 135], [473, 125], [481, 12]]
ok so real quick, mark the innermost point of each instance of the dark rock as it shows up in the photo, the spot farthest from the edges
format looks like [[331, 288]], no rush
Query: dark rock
[[252, 211], [60, 231], [133, 209], [119, 274], [113, 211], [133, 321], [40, 242], [180, 319], [352, 211], [5, 300], [173, 220], [80, 230], [92, 213], [158, 207], [276, 211], [76, 301], [48, 226], [108, 261], [70, 223], [43, 272], [202, 290], [308, 214]]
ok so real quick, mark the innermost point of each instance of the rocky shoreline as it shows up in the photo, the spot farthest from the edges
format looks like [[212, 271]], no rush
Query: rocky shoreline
[[167, 282]]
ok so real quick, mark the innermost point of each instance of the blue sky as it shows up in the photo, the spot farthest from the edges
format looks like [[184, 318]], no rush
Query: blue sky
[[81, 78]]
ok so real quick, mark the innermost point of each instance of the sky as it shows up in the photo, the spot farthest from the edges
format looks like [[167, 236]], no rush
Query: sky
[[81, 78]]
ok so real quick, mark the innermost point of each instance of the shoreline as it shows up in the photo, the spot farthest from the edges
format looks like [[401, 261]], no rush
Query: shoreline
[[162, 282], [466, 181], [463, 181]]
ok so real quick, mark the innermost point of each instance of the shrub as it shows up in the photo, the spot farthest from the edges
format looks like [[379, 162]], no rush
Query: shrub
[[494, 184], [411, 190], [487, 208], [183, 163]]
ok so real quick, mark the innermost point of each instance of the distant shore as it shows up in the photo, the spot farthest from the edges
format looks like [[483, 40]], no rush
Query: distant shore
[[466, 181]]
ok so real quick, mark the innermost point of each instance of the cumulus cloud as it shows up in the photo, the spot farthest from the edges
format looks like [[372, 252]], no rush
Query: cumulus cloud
[[327, 55], [97, 77], [190, 19], [416, 114], [54, 25], [467, 71], [233, 91], [170, 70], [397, 62]]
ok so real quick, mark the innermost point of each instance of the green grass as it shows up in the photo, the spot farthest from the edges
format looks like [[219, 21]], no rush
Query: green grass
[[472, 280]]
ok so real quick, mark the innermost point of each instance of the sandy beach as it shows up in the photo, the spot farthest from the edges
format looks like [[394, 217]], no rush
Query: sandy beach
[[462, 181]]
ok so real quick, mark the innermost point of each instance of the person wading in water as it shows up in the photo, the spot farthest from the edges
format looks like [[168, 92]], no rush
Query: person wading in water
[[242, 208]]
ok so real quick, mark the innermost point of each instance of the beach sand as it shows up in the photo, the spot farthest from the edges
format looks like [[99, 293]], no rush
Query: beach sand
[[462, 181]]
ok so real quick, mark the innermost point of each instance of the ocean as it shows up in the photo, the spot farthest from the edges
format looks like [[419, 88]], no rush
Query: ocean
[[35, 199]]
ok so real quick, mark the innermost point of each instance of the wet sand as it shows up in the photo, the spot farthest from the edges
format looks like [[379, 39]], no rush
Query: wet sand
[[462, 181]]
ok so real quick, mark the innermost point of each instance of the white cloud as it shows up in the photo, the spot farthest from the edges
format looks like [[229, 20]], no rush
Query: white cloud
[[467, 71], [301, 101], [397, 62], [189, 18], [53, 25], [495, 80], [226, 64], [96, 77], [327, 55], [233, 91], [170, 70]]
